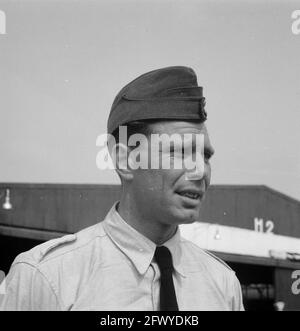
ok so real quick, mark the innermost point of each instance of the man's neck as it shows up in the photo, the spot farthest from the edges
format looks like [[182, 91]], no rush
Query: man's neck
[[154, 230]]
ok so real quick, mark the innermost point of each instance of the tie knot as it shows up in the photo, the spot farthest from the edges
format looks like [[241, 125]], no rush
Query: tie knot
[[163, 258]]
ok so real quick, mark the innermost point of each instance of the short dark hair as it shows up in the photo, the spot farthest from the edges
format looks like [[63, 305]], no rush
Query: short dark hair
[[135, 127], [141, 127]]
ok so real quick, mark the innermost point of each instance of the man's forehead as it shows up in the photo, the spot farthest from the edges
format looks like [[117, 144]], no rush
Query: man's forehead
[[182, 128]]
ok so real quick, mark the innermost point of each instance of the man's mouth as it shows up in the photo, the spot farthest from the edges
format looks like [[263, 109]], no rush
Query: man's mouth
[[190, 194]]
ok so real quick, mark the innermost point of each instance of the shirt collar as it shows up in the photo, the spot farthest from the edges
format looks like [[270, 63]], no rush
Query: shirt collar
[[138, 248]]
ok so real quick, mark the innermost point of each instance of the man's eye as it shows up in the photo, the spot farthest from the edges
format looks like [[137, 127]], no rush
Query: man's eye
[[171, 151], [174, 151]]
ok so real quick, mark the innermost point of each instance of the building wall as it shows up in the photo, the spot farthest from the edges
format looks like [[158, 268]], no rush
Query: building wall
[[288, 288], [67, 208]]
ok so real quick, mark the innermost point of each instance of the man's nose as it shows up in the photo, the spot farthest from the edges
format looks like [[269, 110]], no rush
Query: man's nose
[[199, 172]]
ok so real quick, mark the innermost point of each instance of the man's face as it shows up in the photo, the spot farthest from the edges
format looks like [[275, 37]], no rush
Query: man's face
[[172, 196]]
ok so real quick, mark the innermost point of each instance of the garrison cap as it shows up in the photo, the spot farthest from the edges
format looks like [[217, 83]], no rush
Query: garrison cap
[[167, 93]]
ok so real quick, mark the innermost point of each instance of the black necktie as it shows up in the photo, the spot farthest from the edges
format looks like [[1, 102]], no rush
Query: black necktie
[[168, 301]]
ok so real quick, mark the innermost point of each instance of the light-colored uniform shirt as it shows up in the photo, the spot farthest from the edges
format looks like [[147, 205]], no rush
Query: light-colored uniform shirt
[[110, 266]]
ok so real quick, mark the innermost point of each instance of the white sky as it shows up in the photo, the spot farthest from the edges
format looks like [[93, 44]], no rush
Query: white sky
[[63, 62]]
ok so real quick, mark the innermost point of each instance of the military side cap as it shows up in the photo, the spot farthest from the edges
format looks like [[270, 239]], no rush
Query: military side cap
[[167, 93]]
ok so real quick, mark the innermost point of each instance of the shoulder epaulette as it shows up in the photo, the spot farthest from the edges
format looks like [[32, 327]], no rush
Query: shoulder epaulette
[[54, 243], [217, 258]]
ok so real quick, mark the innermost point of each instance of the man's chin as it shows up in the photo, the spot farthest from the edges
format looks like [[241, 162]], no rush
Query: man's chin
[[189, 220], [184, 216]]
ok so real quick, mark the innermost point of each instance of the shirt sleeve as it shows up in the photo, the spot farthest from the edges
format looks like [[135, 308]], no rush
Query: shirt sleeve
[[236, 294], [26, 288]]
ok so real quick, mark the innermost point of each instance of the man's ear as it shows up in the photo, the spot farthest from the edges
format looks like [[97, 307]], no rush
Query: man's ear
[[120, 157]]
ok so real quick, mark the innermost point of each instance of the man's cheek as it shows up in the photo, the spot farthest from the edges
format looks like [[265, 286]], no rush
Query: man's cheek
[[207, 175]]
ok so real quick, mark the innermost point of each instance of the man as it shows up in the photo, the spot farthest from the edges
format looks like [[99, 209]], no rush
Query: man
[[136, 259]]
